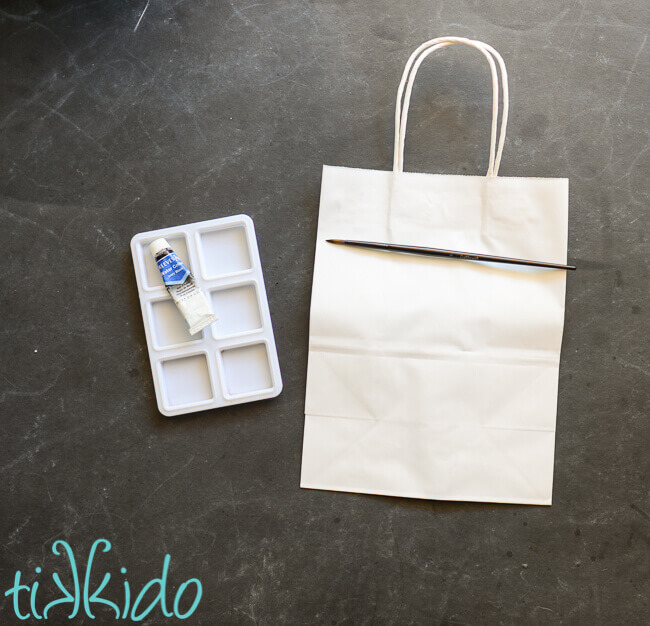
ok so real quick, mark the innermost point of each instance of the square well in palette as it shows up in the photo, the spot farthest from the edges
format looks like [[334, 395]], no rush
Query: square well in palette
[[246, 369], [224, 251], [238, 310], [168, 327], [186, 380]]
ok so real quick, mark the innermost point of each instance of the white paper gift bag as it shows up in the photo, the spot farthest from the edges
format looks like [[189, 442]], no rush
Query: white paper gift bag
[[429, 377]]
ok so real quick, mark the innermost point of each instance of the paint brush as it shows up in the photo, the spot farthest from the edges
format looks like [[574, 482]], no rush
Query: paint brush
[[447, 254]]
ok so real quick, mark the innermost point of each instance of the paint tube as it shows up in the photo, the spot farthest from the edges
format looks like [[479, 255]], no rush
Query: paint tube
[[182, 287]]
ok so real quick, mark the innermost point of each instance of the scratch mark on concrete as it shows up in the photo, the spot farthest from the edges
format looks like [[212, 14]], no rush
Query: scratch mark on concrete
[[29, 394], [575, 32], [21, 219], [634, 366], [641, 512], [146, 6], [94, 141], [159, 487]]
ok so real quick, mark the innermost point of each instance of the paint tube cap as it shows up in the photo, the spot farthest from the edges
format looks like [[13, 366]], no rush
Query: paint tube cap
[[158, 245]]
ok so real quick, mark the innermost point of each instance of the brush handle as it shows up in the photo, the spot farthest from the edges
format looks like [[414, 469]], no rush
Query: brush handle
[[448, 254]]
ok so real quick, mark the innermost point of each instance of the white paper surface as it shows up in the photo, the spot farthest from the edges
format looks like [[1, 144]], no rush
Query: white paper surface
[[434, 378]]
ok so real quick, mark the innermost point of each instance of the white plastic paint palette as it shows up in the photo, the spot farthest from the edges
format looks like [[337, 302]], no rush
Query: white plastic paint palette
[[233, 360]]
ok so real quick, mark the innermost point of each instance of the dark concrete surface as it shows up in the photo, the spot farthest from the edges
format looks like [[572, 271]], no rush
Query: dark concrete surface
[[217, 108]]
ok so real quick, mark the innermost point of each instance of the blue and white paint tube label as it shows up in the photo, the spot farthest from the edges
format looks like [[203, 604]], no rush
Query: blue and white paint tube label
[[182, 287], [172, 270]]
